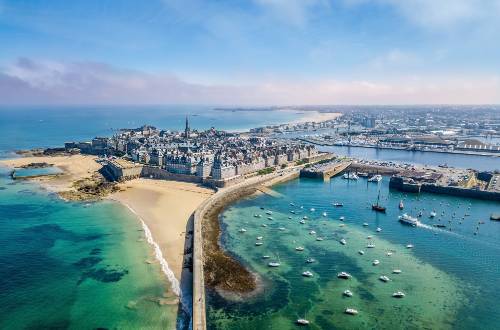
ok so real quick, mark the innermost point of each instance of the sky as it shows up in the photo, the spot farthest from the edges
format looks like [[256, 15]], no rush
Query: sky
[[254, 52]]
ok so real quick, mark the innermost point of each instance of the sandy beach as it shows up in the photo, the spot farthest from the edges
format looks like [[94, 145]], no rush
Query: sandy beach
[[165, 207], [315, 116], [74, 167]]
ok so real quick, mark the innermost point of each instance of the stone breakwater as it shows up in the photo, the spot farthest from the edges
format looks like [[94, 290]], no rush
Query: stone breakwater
[[212, 266]]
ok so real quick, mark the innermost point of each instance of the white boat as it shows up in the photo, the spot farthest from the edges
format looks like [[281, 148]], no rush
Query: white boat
[[347, 293], [336, 204], [341, 225], [389, 253], [307, 274], [370, 246], [269, 218], [266, 257], [258, 243], [263, 225], [302, 322], [324, 214], [398, 294], [305, 217], [269, 212], [242, 230], [289, 218], [310, 260], [365, 224], [341, 218], [379, 230], [375, 178], [292, 211], [299, 248], [375, 262], [369, 237], [313, 209], [396, 271], [409, 220], [343, 241], [319, 238], [281, 228], [302, 221], [256, 215], [312, 232], [344, 275], [259, 238], [292, 204], [409, 246], [350, 176], [351, 311], [361, 252], [384, 278], [274, 264], [433, 214]]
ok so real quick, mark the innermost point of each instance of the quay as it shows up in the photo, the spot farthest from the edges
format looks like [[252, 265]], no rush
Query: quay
[[325, 170]]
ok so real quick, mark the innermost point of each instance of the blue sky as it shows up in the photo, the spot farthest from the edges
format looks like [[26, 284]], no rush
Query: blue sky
[[250, 52]]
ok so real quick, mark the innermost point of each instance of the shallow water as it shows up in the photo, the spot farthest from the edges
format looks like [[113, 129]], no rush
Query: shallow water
[[76, 265], [447, 277]]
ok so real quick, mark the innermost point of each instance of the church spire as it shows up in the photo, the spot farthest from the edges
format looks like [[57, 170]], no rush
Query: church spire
[[186, 130]]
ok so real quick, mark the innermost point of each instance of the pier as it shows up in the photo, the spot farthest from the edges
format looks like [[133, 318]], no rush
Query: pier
[[326, 170]]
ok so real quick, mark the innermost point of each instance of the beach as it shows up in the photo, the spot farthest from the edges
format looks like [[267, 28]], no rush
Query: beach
[[315, 116], [165, 207]]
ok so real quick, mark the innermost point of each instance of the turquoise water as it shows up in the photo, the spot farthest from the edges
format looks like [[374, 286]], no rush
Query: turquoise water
[[76, 266], [449, 277], [27, 172]]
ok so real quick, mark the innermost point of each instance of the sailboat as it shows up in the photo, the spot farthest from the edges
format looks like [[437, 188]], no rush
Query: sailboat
[[377, 207]]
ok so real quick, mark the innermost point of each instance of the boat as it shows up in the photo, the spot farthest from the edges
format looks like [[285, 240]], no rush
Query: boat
[[310, 260], [266, 257], [342, 218], [307, 274], [256, 215], [350, 176], [409, 246], [369, 237], [363, 174], [305, 217], [302, 221], [269, 212], [420, 214], [384, 278], [341, 225], [398, 294], [299, 248], [365, 224], [270, 218], [258, 243], [344, 275], [361, 252], [319, 238], [292, 204], [409, 220], [292, 211], [375, 178], [389, 253], [494, 216], [377, 207], [289, 218], [375, 262], [351, 311], [302, 322], [401, 205], [274, 264], [313, 209], [312, 232], [378, 230], [242, 230], [263, 225], [396, 271], [370, 246], [259, 238], [347, 293], [281, 228], [439, 225], [324, 214], [336, 204], [343, 241], [432, 214]]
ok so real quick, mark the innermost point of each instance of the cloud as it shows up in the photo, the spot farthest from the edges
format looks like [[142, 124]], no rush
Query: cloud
[[29, 81], [394, 58], [293, 12]]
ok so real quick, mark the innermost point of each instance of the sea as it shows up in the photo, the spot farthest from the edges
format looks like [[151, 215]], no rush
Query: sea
[[449, 276], [77, 265]]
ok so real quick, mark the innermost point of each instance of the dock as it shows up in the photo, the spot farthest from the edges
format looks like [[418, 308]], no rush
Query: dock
[[325, 171]]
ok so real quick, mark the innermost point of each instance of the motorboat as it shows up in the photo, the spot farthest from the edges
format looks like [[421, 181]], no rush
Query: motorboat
[[292, 211], [274, 264], [289, 218], [384, 278], [324, 214], [256, 215], [313, 209], [375, 178], [342, 218], [270, 218], [263, 225], [375, 262], [389, 253], [369, 237], [347, 293], [302, 222], [305, 217], [401, 205], [258, 243], [312, 232], [396, 271], [344, 275], [310, 260], [259, 238], [242, 230], [361, 252], [307, 274], [341, 225], [319, 238], [350, 176], [370, 246], [292, 204], [343, 241], [266, 257], [299, 248], [432, 214], [398, 294], [302, 322], [351, 311], [336, 204], [269, 212], [409, 246], [365, 224], [409, 220], [378, 230], [281, 228]]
